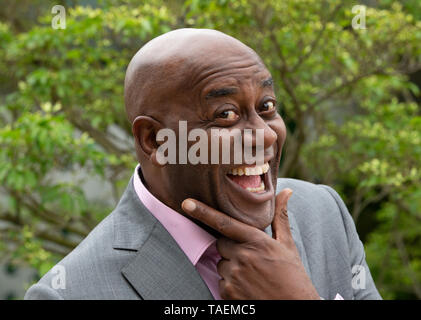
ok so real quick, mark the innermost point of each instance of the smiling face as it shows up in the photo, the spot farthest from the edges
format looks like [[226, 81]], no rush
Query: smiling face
[[213, 82]]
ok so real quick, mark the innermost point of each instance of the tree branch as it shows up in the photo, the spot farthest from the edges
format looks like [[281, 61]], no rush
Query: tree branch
[[39, 210], [360, 205], [42, 234], [338, 88], [316, 41]]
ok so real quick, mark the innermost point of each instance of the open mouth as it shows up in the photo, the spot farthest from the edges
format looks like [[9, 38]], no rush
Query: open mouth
[[250, 178]]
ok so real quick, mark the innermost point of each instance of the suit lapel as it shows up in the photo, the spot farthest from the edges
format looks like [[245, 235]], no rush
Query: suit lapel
[[160, 269]]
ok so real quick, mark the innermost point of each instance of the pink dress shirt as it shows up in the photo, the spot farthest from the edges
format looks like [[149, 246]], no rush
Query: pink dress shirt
[[198, 245]]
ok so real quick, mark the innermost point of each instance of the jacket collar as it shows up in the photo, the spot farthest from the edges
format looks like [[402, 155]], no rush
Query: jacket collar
[[160, 269]]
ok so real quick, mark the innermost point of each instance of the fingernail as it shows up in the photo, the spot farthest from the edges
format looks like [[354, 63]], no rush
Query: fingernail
[[188, 205]]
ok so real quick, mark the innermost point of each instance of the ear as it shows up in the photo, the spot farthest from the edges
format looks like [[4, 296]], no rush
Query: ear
[[144, 130]]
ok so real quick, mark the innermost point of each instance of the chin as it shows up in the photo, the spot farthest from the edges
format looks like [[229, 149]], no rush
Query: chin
[[247, 192]]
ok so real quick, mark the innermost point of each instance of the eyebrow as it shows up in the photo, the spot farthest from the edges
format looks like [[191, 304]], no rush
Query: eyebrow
[[221, 92]]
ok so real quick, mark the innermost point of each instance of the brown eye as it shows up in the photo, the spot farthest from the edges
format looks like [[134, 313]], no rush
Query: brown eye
[[228, 114], [268, 106]]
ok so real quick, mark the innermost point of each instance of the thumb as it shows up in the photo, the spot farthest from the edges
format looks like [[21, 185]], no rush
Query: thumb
[[280, 223]]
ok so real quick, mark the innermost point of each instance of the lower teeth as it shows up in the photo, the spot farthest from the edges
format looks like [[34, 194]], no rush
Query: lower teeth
[[258, 189]]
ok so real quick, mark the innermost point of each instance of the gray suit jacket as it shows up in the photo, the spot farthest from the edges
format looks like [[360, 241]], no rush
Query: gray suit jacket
[[130, 255]]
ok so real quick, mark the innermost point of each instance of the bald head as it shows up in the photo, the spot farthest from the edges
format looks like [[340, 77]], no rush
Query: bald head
[[176, 61]]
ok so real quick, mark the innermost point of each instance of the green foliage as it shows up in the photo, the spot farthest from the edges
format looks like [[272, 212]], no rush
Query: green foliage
[[64, 88], [348, 97]]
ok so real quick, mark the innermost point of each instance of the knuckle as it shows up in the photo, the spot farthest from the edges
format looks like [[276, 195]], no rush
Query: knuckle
[[256, 239], [228, 290], [243, 256], [201, 212], [284, 212], [223, 222], [235, 272]]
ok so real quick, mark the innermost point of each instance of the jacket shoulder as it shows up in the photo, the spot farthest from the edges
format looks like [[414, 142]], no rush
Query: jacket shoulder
[[309, 200], [321, 218], [88, 271]]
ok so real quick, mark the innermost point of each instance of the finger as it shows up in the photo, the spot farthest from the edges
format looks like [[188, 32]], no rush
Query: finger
[[226, 247], [223, 268], [222, 284], [227, 290], [220, 222], [280, 223]]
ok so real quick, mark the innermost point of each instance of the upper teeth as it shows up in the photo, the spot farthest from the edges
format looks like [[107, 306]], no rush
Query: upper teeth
[[250, 171]]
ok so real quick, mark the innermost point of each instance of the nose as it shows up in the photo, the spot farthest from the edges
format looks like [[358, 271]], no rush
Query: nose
[[269, 135]]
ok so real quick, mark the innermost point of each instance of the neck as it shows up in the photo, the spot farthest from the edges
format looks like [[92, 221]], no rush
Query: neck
[[159, 192]]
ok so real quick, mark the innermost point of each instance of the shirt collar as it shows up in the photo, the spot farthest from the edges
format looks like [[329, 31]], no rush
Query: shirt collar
[[191, 238]]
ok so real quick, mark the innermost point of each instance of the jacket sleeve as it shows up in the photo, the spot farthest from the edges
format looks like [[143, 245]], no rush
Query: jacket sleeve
[[362, 282], [42, 292]]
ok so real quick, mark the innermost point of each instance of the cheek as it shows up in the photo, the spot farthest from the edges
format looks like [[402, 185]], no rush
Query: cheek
[[196, 181]]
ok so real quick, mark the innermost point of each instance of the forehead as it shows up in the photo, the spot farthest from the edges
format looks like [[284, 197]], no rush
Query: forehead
[[229, 71]]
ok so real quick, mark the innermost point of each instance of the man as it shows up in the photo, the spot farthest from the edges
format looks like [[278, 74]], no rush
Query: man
[[212, 230]]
